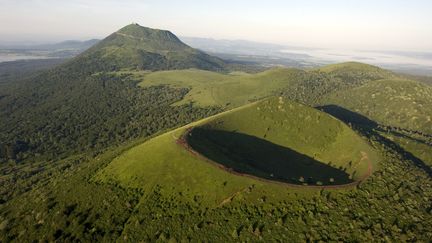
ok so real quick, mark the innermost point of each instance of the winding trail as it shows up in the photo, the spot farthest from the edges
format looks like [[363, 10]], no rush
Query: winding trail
[[230, 198]]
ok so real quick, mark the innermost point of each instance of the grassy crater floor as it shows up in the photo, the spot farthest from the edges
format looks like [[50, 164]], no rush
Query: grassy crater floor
[[252, 156], [283, 141]]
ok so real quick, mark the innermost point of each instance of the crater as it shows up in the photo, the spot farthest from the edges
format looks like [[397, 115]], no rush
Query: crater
[[283, 141], [254, 156]]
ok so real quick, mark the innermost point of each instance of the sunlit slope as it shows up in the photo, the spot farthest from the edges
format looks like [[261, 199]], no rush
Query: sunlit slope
[[210, 88], [300, 133], [356, 71], [162, 161], [393, 102], [236, 89]]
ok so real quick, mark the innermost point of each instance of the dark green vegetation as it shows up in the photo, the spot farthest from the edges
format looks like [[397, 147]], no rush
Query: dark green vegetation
[[401, 111], [404, 104], [79, 145], [97, 111], [76, 106], [143, 48], [12, 71]]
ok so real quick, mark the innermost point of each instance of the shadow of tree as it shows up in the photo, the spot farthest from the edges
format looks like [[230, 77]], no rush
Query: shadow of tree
[[258, 157], [371, 129]]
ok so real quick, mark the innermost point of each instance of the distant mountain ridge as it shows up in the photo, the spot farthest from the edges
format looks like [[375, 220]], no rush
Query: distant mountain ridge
[[68, 44]]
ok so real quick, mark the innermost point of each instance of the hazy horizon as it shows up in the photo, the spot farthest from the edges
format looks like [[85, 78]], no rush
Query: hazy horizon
[[377, 25]]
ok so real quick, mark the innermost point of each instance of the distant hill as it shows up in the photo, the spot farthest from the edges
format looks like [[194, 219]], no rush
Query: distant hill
[[234, 89], [137, 47], [356, 72], [392, 102], [69, 44], [80, 93], [62, 50]]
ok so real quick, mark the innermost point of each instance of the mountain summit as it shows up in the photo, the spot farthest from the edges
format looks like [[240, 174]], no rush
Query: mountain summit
[[149, 39], [138, 47]]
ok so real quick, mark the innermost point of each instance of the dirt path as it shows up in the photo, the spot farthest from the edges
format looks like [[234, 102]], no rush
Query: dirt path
[[173, 136], [363, 156], [130, 36], [230, 198]]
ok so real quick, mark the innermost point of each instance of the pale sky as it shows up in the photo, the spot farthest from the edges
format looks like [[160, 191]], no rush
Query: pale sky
[[360, 24]]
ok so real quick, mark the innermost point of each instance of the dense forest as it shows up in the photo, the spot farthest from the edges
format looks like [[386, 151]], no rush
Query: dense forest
[[63, 111], [59, 113], [61, 128], [16, 70]]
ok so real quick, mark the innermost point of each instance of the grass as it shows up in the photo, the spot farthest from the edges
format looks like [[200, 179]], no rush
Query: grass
[[418, 148], [350, 67], [393, 102], [249, 155], [290, 132], [157, 191], [238, 88], [226, 90], [162, 162]]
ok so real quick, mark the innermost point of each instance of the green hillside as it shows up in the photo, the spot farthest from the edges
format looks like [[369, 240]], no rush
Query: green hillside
[[286, 138], [356, 72], [329, 145], [136, 47], [139, 140], [176, 182], [232, 90], [79, 106], [166, 166], [393, 102], [131, 193], [355, 67], [235, 89], [399, 110]]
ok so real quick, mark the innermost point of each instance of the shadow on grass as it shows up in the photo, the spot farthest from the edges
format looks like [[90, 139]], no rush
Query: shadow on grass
[[351, 117], [371, 129], [254, 156]]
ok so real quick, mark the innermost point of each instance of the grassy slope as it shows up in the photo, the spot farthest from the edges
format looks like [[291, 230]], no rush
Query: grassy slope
[[419, 149], [350, 67], [405, 105], [303, 129], [235, 89], [163, 162], [402, 103], [144, 167], [209, 88], [355, 73]]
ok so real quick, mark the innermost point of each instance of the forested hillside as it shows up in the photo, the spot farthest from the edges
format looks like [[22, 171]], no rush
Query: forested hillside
[[102, 148], [77, 106], [137, 47]]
